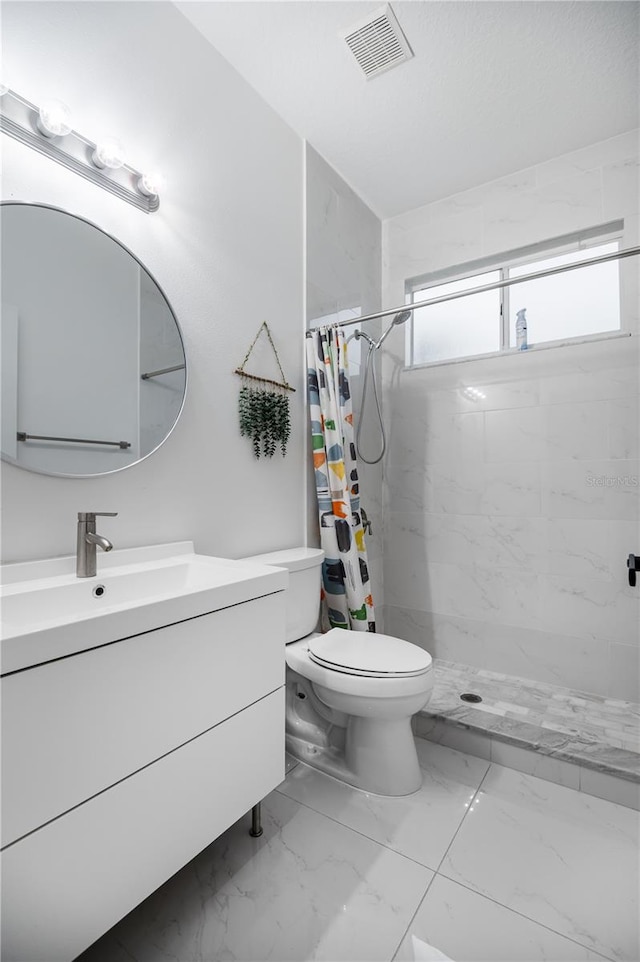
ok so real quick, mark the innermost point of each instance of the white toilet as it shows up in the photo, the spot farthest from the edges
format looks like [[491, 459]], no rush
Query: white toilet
[[350, 694]]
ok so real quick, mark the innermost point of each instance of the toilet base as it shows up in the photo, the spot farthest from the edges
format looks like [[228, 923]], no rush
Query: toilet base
[[374, 755], [382, 755], [333, 762]]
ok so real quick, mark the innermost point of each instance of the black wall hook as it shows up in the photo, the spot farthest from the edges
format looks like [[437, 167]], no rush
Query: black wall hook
[[633, 564]]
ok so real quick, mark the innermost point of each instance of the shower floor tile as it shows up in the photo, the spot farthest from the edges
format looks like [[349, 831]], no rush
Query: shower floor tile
[[590, 730]]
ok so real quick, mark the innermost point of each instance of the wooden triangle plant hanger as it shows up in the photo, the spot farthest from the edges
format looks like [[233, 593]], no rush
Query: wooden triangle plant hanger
[[284, 384], [264, 413]]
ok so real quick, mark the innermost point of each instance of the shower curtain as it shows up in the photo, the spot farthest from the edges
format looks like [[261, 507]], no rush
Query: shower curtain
[[347, 601]]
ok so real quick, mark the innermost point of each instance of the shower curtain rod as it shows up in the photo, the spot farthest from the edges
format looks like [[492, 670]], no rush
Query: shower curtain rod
[[629, 252]]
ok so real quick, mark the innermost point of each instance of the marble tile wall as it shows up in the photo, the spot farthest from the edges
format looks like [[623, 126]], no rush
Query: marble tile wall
[[508, 519], [343, 270]]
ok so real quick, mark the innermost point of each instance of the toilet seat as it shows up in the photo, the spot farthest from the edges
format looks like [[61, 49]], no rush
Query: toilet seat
[[368, 654]]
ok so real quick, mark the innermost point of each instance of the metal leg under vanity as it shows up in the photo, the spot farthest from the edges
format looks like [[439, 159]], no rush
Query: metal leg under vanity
[[256, 821]]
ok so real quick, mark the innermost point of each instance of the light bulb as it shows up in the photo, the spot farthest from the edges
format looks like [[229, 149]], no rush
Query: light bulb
[[109, 153], [151, 184], [3, 88], [54, 119], [473, 394]]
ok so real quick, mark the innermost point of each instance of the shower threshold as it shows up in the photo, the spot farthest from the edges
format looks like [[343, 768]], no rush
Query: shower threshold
[[579, 739]]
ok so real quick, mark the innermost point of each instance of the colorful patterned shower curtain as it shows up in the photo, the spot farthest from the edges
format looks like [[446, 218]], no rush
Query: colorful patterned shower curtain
[[345, 573]]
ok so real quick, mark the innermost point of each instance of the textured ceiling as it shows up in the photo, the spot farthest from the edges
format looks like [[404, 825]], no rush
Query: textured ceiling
[[494, 86]]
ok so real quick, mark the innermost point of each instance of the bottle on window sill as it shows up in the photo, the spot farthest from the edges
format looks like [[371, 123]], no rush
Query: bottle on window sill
[[521, 330]]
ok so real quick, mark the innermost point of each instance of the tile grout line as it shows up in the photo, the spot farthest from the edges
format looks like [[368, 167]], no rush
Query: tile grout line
[[355, 830], [463, 819], [435, 874], [483, 895], [388, 848], [382, 845], [521, 915], [418, 907], [495, 901]]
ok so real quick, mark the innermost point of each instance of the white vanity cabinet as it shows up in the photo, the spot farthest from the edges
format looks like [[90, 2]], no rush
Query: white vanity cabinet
[[122, 762]]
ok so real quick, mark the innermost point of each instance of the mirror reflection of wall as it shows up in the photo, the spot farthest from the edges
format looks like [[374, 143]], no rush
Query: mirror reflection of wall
[[160, 348], [81, 321]]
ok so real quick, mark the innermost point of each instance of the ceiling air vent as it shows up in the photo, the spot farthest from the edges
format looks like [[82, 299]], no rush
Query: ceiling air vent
[[377, 42]]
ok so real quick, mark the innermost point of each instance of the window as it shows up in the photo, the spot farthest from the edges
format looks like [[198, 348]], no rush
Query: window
[[573, 304], [457, 328]]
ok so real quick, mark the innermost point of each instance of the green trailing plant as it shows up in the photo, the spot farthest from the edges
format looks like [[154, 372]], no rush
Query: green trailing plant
[[264, 417]]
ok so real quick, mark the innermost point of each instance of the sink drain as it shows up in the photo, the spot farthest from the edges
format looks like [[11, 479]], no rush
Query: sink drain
[[98, 591], [469, 696]]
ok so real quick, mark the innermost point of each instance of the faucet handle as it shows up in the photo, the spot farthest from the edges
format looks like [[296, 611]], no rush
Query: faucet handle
[[92, 515]]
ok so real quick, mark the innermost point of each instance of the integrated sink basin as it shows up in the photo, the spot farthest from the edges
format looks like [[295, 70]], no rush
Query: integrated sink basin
[[47, 612]]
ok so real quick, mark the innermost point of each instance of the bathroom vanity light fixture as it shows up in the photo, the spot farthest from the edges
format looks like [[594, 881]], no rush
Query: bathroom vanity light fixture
[[48, 130], [473, 394]]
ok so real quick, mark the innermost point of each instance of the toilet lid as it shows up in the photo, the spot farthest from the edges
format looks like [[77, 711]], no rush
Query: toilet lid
[[368, 653]]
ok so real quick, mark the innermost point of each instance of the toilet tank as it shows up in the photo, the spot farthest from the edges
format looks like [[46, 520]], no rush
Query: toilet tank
[[303, 594]]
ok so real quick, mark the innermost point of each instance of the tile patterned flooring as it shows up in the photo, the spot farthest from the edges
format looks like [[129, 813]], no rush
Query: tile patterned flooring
[[595, 732], [483, 863]]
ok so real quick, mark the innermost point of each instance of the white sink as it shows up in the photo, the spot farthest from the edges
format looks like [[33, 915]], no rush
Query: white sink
[[47, 612]]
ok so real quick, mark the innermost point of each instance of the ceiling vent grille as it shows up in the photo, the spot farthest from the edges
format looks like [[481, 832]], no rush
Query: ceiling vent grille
[[377, 42]]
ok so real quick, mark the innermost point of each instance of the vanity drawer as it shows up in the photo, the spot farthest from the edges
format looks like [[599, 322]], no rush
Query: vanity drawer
[[73, 879], [73, 727]]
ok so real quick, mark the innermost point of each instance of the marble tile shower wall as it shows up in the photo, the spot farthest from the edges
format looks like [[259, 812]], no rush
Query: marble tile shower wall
[[344, 267], [508, 520]]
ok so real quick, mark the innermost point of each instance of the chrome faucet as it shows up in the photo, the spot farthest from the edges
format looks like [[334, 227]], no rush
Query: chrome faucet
[[88, 541]]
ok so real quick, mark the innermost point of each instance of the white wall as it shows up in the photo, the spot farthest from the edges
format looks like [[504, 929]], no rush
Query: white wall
[[508, 520], [344, 280], [226, 246]]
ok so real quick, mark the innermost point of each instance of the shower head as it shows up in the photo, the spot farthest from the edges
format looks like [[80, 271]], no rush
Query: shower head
[[370, 372], [400, 318]]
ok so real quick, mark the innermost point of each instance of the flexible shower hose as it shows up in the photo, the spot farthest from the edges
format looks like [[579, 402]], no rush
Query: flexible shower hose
[[370, 370]]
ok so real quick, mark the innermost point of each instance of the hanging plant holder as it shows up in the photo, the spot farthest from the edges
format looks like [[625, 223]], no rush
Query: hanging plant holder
[[264, 410]]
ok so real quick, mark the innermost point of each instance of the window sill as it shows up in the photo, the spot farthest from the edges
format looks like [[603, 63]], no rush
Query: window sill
[[514, 351]]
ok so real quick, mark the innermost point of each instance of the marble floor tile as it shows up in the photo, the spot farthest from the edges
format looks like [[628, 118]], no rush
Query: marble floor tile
[[420, 826], [561, 858], [309, 888], [468, 927]]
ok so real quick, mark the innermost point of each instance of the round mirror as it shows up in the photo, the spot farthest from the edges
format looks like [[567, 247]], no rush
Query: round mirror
[[93, 364]]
